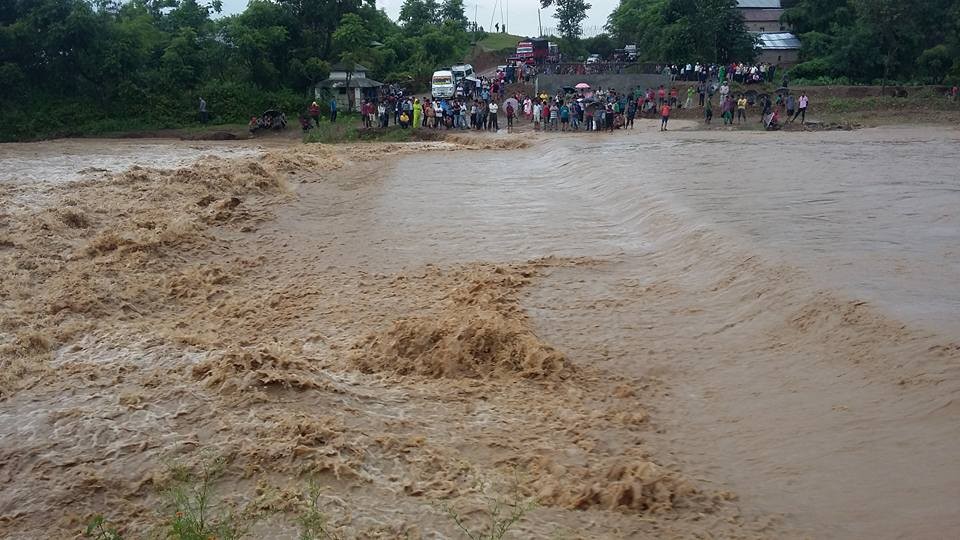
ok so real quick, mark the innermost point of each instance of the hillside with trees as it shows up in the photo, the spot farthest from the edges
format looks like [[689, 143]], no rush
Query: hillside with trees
[[82, 66], [873, 41], [92, 66]]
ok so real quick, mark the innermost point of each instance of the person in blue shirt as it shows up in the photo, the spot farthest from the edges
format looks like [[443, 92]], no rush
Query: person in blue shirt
[[564, 116], [333, 109]]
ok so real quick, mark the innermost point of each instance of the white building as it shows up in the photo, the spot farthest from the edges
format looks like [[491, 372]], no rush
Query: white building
[[342, 79]]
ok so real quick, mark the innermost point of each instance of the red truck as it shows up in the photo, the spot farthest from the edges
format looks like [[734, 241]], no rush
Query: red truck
[[535, 51]]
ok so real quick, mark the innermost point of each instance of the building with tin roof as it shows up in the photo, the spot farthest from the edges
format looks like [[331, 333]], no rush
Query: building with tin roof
[[762, 17]]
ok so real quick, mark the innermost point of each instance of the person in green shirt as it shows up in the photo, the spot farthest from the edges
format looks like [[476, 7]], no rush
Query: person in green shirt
[[689, 102]]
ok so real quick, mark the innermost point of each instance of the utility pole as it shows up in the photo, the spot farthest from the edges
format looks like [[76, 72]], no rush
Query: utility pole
[[508, 11], [539, 23]]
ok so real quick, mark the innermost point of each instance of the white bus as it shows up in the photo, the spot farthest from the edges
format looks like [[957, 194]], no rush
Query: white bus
[[442, 85]]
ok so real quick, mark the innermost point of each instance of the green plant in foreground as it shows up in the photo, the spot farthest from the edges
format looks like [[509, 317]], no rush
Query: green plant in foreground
[[98, 530], [314, 524], [195, 515], [502, 515]]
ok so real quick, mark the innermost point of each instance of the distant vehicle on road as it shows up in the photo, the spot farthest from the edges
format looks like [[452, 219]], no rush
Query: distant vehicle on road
[[631, 52], [593, 59], [536, 51], [461, 71]]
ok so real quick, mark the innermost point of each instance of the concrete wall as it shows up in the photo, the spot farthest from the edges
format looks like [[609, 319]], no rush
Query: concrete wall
[[780, 57], [765, 26], [621, 83]]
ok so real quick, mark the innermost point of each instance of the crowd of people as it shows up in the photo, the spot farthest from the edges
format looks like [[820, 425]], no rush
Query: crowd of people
[[600, 110], [481, 105], [584, 110], [735, 71]]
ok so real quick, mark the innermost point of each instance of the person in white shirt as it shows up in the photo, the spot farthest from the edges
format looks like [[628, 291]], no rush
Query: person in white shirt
[[537, 114], [492, 123], [724, 90], [382, 114], [802, 109]]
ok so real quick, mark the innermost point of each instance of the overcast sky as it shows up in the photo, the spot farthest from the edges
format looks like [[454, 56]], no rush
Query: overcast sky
[[520, 15]]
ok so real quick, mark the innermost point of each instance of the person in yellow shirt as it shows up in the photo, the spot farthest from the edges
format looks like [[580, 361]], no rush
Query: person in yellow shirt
[[742, 109]]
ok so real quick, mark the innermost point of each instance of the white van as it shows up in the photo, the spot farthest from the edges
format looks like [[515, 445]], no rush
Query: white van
[[442, 85], [462, 71]]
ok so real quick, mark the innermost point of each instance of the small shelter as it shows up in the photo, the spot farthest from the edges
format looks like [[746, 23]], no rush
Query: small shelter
[[342, 80], [778, 48]]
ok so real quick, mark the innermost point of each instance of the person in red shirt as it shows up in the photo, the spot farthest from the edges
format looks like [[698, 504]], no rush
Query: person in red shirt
[[315, 112], [661, 95], [673, 96], [664, 116]]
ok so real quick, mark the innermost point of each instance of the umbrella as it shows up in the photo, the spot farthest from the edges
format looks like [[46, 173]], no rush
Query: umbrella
[[511, 101], [582, 86]]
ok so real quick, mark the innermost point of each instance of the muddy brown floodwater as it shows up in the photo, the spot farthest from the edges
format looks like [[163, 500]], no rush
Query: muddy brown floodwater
[[693, 334]]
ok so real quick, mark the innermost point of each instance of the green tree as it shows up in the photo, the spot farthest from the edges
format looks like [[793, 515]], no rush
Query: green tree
[[415, 14], [683, 30], [351, 35], [451, 11], [570, 15]]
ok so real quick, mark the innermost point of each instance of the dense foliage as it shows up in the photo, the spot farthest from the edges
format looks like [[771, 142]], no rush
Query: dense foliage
[[871, 41], [84, 66], [570, 15], [683, 30], [76, 66]]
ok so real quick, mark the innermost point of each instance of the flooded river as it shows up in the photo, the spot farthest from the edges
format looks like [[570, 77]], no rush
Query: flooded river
[[872, 213], [785, 305]]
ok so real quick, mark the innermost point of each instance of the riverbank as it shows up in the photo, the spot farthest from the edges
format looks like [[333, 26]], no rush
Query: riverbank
[[830, 108]]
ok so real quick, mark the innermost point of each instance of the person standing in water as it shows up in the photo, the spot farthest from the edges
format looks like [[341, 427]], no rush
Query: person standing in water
[[664, 116]]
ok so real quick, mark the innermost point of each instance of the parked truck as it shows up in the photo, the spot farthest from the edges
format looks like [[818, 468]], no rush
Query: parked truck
[[532, 51]]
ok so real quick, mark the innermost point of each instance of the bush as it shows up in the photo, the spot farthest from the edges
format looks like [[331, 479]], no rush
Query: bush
[[812, 69], [934, 64]]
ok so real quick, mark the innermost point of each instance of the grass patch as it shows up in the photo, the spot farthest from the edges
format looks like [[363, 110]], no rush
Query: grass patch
[[499, 42], [347, 129], [919, 102], [194, 512], [314, 524], [99, 529]]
